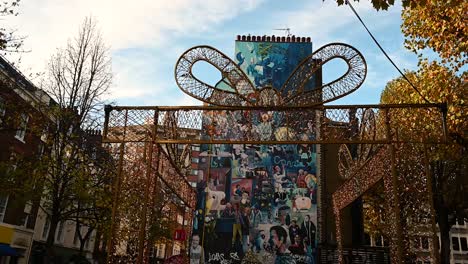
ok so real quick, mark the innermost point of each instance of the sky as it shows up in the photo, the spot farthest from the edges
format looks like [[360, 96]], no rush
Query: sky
[[146, 37]]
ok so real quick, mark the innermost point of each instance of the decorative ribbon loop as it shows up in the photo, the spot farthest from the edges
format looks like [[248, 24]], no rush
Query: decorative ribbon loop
[[296, 91]]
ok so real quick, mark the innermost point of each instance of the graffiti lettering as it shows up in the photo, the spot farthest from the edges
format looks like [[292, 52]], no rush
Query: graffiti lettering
[[215, 257], [288, 163], [301, 258], [234, 256], [219, 258]]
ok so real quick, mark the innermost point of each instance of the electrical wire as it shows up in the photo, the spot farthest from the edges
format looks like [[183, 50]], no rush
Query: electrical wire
[[385, 53]]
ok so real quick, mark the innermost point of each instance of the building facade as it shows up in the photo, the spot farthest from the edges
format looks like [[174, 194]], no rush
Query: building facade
[[19, 142], [23, 224]]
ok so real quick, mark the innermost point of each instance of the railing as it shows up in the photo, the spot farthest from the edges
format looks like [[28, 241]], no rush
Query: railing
[[360, 255]]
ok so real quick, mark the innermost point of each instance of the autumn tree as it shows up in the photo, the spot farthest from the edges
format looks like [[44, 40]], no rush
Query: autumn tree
[[436, 25], [439, 26], [385, 4], [78, 76], [93, 202], [448, 163]]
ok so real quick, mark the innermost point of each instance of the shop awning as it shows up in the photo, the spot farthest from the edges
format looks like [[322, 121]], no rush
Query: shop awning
[[6, 250]]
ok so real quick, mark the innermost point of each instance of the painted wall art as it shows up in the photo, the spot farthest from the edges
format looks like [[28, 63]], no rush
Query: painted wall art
[[258, 202]]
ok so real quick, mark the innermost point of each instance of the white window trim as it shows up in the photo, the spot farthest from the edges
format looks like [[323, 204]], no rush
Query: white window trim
[[76, 239], [2, 215], [45, 232], [459, 240], [452, 245], [21, 131], [26, 219], [60, 240]]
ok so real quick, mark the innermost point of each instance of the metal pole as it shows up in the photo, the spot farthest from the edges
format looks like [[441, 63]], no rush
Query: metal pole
[[394, 199], [339, 237], [142, 230], [117, 188], [435, 239], [155, 195], [206, 195]]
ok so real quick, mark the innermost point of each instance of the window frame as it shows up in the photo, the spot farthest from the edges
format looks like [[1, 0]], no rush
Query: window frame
[[21, 131], [45, 231], [455, 246], [3, 207], [60, 232], [463, 245]]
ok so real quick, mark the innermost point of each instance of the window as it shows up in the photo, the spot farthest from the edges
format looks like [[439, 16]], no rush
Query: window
[[13, 162], [76, 238], [60, 234], [378, 241], [45, 229], [464, 244], [86, 245], [44, 134], [455, 245], [194, 172], [460, 221], [21, 131], [180, 219], [425, 242], [194, 160], [160, 250], [176, 250], [195, 148], [3, 206], [24, 221]]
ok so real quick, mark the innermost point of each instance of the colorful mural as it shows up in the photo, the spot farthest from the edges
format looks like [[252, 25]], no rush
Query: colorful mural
[[258, 201], [270, 63]]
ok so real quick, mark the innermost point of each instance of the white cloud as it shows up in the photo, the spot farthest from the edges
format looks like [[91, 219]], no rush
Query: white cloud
[[147, 36], [144, 24]]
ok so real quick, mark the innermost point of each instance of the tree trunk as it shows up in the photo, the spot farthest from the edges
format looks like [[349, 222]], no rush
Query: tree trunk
[[83, 239], [50, 254], [444, 227]]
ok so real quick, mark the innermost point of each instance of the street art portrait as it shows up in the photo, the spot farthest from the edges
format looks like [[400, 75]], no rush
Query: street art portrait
[[259, 201]]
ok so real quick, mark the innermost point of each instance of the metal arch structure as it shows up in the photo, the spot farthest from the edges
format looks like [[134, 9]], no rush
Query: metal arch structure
[[150, 184], [375, 135], [362, 166], [372, 128], [294, 91], [192, 128]]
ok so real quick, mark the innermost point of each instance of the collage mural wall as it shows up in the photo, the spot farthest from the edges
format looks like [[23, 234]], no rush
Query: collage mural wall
[[257, 201]]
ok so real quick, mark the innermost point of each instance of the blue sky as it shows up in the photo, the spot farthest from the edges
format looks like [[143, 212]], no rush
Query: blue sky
[[147, 37]]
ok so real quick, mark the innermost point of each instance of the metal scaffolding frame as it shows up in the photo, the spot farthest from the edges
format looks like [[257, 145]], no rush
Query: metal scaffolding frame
[[371, 128], [155, 132]]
